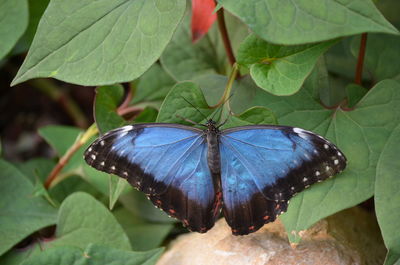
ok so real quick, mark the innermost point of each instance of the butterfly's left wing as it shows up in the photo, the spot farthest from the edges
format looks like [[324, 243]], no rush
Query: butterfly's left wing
[[168, 162], [262, 167]]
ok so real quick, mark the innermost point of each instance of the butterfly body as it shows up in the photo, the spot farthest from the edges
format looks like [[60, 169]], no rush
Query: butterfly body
[[249, 172]]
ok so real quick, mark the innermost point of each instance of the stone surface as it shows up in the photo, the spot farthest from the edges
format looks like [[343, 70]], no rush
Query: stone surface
[[349, 237]]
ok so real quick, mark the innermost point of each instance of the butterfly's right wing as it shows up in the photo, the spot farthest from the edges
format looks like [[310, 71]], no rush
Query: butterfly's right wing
[[168, 162], [263, 166]]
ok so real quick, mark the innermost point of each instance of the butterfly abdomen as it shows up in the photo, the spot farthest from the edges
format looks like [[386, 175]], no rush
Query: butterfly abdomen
[[213, 155]]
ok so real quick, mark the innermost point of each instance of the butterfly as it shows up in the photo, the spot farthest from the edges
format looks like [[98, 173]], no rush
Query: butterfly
[[248, 172]]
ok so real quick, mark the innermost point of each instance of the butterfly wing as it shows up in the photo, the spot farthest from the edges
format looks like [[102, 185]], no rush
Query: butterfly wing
[[167, 162], [262, 167]]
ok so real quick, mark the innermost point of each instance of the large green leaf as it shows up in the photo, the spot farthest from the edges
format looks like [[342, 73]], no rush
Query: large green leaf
[[60, 138], [21, 212], [381, 49], [36, 10], [137, 202], [100, 42], [184, 59], [387, 195], [83, 220], [143, 235], [280, 70], [93, 254], [305, 21], [153, 85], [179, 104], [361, 134], [13, 22]]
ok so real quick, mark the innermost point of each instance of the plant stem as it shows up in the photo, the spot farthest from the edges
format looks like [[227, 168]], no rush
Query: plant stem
[[81, 140], [70, 106], [228, 88], [360, 61], [225, 36]]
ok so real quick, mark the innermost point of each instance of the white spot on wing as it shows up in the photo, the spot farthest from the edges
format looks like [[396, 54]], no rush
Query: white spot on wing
[[300, 132], [102, 164], [305, 179], [317, 173], [102, 143], [112, 167], [336, 162], [90, 149], [326, 146], [125, 173], [339, 154], [93, 157], [327, 168]]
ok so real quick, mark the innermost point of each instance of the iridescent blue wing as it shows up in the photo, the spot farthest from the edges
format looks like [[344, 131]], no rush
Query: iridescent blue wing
[[168, 162], [262, 167]]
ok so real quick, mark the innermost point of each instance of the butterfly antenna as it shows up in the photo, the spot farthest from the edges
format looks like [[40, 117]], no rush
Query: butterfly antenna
[[189, 121], [230, 112], [205, 117]]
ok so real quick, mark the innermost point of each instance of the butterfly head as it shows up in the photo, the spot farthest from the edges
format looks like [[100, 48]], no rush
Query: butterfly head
[[211, 126]]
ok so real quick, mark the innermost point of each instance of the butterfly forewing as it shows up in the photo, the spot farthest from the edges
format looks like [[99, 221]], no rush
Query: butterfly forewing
[[262, 167], [167, 162]]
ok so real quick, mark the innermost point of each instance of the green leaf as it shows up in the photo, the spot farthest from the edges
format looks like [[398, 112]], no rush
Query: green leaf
[[340, 60], [36, 10], [354, 94], [60, 138], [108, 98], [100, 42], [289, 22], [254, 115], [149, 114], [213, 86], [184, 60], [176, 105], [387, 196], [117, 187], [83, 220], [361, 134], [392, 258], [70, 185], [259, 115], [14, 20], [93, 254], [381, 49], [40, 167], [280, 70], [153, 85], [137, 202], [143, 235], [21, 212]]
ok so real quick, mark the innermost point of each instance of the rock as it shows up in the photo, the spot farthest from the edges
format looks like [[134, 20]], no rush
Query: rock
[[348, 237]]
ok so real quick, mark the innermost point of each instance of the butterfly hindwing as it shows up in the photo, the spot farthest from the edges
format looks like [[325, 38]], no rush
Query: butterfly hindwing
[[167, 162], [262, 167]]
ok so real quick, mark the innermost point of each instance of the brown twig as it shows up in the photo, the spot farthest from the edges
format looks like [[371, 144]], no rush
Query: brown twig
[[225, 36], [81, 140], [360, 60]]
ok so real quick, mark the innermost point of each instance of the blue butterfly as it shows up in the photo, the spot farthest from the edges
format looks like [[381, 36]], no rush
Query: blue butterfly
[[250, 172]]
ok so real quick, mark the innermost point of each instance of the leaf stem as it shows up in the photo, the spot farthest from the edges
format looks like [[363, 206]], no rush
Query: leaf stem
[[81, 140], [360, 61], [228, 88], [225, 36]]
